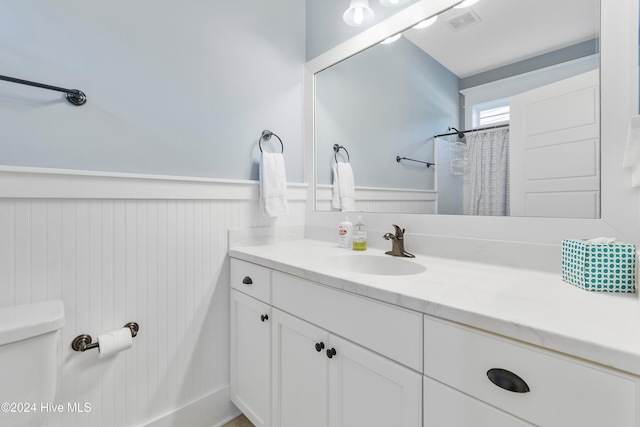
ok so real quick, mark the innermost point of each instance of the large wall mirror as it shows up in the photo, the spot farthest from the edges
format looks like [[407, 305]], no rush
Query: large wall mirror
[[517, 80]]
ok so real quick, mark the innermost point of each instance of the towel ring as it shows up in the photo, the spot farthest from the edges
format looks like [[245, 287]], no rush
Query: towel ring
[[266, 135], [337, 148]]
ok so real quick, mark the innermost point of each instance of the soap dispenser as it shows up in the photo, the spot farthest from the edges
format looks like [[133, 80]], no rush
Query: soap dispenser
[[345, 233], [359, 236]]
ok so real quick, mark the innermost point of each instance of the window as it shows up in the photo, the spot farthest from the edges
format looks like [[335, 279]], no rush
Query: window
[[491, 113]]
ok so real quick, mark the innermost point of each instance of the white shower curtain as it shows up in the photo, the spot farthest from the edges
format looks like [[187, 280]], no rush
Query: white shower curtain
[[488, 172]]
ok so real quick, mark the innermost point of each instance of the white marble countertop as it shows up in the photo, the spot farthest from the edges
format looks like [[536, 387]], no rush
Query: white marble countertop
[[527, 305]]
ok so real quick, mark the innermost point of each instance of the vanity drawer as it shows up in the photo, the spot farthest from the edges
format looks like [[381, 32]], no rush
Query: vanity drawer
[[389, 330], [446, 407], [251, 279], [562, 391]]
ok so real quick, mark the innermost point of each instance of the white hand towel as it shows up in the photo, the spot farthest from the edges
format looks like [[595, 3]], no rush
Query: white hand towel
[[344, 190], [632, 151], [335, 195], [273, 184]]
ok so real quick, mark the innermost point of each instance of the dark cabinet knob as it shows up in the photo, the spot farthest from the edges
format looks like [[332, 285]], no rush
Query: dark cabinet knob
[[331, 352], [247, 280], [319, 346], [264, 317], [507, 380]]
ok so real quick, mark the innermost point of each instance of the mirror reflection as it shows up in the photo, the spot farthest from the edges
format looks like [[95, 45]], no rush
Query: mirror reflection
[[502, 97]]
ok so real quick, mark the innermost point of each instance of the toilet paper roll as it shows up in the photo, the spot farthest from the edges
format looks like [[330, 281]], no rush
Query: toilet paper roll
[[114, 342]]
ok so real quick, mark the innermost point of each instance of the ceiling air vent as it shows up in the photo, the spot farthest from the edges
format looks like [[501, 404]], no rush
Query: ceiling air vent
[[463, 21]]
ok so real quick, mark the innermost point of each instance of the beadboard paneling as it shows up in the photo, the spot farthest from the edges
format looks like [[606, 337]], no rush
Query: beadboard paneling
[[161, 263]]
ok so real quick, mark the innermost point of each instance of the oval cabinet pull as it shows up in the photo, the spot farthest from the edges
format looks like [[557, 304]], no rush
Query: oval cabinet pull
[[319, 346], [247, 280], [507, 380], [264, 317], [331, 352]]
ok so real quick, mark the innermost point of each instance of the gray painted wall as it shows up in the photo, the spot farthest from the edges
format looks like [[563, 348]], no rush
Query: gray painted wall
[[175, 88], [388, 100], [569, 53]]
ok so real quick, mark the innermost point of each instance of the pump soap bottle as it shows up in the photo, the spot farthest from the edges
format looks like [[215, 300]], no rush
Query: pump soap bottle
[[345, 233], [359, 236]]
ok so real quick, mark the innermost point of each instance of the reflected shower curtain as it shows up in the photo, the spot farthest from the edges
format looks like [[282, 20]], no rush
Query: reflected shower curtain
[[488, 172]]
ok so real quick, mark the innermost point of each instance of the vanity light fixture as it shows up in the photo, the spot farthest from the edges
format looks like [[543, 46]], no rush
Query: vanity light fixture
[[392, 3], [426, 23], [359, 13], [465, 3], [391, 39]]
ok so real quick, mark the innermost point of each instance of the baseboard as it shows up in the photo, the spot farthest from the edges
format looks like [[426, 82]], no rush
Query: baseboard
[[212, 410]]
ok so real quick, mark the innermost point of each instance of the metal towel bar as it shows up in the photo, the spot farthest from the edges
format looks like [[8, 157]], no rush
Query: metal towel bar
[[337, 148], [266, 135], [74, 96], [398, 158]]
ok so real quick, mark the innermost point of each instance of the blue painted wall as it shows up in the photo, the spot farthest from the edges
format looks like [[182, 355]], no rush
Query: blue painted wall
[[174, 88], [386, 101]]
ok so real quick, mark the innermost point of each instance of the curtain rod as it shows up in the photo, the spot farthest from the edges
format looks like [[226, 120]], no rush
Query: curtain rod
[[458, 132], [74, 96]]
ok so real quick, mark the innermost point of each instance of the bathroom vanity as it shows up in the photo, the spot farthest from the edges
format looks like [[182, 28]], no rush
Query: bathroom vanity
[[316, 341]]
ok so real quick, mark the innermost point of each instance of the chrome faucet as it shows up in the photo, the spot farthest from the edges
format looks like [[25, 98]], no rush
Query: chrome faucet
[[397, 242]]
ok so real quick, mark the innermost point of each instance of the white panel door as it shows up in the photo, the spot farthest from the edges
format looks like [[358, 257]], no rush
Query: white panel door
[[250, 357], [299, 372], [555, 149], [368, 390]]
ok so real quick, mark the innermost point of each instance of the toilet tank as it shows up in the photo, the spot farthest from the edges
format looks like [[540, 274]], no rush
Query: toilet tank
[[28, 361]]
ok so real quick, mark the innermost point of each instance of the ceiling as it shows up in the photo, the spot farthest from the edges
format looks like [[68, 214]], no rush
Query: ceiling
[[507, 31]]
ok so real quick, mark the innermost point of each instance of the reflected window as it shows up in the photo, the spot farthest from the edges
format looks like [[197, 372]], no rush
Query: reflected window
[[491, 113]]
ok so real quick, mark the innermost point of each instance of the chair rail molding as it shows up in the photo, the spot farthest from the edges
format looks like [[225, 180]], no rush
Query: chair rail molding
[[27, 182]]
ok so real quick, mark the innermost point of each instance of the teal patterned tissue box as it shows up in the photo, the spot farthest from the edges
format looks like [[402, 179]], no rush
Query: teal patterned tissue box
[[601, 267]]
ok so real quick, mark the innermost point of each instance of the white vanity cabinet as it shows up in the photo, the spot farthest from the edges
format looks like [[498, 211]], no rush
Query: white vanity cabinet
[[366, 389], [320, 379], [250, 384], [349, 352], [299, 372], [333, 355], [306, 354], [447, 407], [465, 367], [389, 330]]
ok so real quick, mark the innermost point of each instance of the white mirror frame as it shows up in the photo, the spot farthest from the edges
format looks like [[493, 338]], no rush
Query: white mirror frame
[[620, 212]]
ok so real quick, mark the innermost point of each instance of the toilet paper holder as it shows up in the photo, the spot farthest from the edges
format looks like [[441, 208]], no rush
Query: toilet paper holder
[[85, 342]]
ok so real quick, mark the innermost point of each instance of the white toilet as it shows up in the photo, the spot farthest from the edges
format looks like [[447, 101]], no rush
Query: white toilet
[[28, 361]]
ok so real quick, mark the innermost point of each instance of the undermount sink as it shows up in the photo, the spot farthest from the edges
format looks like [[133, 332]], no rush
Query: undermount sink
[[377, 264]]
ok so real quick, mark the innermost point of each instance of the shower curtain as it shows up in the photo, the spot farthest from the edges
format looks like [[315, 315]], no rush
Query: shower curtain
[[488, 172]]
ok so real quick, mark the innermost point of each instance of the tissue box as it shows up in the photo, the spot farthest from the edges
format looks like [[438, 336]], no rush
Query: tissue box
[[603, 267]]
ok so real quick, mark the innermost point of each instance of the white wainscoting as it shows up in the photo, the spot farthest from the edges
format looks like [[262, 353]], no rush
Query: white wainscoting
[[387, 200], [161, 263]]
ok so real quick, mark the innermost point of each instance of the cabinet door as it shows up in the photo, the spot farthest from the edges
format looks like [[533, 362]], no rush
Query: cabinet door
[[299, 372], [366, 389], [446, 407], [251, 357]]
